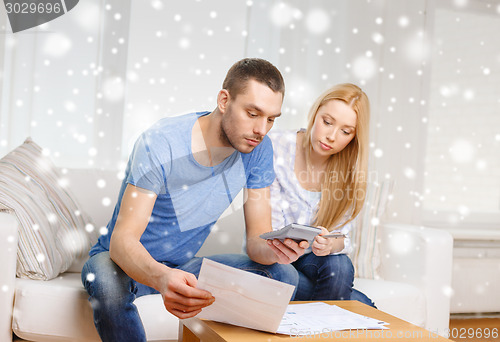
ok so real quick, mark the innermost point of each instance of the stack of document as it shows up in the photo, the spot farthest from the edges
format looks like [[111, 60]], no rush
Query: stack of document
[[252, 301], [319, 317]]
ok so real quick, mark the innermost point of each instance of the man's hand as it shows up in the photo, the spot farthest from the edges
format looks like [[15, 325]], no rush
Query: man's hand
[[287, 251], [323, 246], [181, 297]]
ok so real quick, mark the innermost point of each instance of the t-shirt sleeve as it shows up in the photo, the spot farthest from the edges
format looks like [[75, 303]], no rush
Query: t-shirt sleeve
[[260, 172], [147, 169]]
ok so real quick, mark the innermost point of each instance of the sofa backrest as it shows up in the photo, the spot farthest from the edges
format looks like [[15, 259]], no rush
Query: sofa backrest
[[96, 191]]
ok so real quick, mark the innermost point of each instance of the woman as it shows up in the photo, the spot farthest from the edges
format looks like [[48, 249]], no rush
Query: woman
[[320, 181]]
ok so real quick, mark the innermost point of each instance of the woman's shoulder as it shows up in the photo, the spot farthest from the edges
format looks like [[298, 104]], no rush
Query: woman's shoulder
[[283, 137], [284, 145]]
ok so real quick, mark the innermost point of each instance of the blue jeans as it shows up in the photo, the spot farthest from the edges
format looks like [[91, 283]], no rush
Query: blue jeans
[[112, 292], [327, 277]]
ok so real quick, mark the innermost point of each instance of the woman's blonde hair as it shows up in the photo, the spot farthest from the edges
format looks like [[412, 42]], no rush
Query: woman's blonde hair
[[343, 186]]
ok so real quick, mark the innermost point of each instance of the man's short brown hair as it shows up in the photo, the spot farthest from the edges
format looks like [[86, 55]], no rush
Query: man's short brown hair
[[253, 68]]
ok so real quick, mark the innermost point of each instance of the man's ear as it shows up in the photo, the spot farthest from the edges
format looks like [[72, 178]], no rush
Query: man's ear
[[223, 99]]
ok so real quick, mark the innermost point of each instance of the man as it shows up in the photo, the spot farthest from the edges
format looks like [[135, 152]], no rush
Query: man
[[182, 174]]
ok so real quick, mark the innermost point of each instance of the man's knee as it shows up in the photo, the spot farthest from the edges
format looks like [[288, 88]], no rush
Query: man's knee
[[285, 273], [338, 264], [103, 279]]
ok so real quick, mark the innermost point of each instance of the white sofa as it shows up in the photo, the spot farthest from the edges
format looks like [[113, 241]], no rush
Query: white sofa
[[415, 275]]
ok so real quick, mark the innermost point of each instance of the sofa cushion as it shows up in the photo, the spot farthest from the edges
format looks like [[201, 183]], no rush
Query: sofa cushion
[[52, 230], [59, 309], [388, 296]]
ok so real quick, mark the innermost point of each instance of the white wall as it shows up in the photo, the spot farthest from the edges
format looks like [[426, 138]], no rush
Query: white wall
[[128, 63]]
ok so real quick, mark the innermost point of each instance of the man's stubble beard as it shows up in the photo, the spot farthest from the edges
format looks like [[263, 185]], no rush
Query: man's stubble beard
[[227, 138], [223, 134]]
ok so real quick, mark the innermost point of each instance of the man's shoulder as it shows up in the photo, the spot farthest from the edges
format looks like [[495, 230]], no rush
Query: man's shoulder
[[260, 153], [265, 146], [174, 123], [171, 129]]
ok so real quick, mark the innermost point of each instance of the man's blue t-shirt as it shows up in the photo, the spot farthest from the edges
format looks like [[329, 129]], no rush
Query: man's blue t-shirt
[[190, 196]]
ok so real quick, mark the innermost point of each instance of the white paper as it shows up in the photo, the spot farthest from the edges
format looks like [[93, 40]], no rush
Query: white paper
[[313, 318], [243, 298]]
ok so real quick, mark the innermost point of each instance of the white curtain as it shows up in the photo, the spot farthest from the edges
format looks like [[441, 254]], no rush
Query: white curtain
[[85, 85], [63, 85]]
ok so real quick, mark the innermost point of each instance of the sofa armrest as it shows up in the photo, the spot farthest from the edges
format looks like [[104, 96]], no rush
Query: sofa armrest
[[422, 257], [8, 255]]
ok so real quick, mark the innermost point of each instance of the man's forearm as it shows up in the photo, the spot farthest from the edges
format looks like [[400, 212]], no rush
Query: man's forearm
[[259, 251]]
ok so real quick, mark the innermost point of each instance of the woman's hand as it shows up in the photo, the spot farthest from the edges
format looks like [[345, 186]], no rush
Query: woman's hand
[[323, 246]]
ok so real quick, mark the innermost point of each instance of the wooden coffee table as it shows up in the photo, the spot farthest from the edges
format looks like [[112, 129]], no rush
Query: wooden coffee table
[[195, 329]]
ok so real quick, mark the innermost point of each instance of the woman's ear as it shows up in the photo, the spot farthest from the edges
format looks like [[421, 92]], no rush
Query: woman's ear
[[222, 100]]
